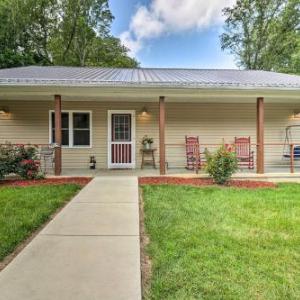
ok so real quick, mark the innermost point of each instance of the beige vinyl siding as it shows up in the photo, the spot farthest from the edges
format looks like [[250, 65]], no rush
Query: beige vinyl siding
[[216, 123], [28, 122], [213, 123]]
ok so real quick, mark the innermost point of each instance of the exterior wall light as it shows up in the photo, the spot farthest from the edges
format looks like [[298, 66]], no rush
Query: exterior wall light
[[4, 110], [144, 112], [296, 114]]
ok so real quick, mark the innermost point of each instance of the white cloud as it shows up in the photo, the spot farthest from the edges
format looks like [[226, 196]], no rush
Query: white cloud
[[145, 24], [171, 16], [134, 45]]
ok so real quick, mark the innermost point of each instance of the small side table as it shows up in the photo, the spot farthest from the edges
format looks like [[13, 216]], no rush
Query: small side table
[[151, 158]]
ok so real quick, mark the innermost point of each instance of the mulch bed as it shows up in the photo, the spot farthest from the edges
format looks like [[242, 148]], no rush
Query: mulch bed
[[82, 181], [204, 182]]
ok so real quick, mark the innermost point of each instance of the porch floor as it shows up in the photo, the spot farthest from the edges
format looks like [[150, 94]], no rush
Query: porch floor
[[271, 173]]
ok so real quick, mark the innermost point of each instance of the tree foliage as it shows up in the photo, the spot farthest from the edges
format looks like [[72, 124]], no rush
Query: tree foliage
[[264, 34], [54, 32]]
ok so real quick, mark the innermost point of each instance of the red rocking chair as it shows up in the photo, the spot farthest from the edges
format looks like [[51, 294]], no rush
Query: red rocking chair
[[192, 152], [243, 152]]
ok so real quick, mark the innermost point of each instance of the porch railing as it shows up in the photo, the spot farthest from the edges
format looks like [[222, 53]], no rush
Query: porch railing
[[277, 157]]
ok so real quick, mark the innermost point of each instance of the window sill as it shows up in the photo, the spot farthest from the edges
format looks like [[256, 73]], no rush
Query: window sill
[[76, 147]]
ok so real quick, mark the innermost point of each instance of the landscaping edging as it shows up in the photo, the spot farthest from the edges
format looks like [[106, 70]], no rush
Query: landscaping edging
[[144, 241]]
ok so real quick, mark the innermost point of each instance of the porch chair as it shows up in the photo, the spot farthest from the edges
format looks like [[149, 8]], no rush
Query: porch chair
[[192, 152], [243, 152]]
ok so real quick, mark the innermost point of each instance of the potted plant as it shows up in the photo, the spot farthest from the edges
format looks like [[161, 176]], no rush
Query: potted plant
[[147, 142]]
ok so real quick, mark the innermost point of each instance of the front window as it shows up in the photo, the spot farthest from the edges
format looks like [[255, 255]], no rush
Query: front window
[[76, 131], [81, 129]]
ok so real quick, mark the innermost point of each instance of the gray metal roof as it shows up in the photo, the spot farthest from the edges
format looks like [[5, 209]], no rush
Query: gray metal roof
[[94, 76]]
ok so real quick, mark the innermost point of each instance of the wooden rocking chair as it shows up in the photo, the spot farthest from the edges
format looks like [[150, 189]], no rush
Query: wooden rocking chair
[[243, 152], [192, 152]]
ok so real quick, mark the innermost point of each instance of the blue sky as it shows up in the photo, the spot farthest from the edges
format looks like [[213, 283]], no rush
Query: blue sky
[[172, 33]]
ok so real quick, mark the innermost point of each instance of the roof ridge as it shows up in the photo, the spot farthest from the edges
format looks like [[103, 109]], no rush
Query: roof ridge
[[137, 68]]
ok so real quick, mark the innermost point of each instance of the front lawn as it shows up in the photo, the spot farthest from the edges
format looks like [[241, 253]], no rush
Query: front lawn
[[223, 243], [25, 209]]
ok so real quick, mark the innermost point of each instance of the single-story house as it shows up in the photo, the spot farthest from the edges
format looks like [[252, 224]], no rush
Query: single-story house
[[105, 112]]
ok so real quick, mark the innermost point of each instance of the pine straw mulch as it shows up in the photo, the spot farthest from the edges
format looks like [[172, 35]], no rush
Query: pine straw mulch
[[82, 181], [249, 184]]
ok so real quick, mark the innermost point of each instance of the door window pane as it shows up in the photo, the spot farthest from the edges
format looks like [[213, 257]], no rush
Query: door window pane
[[121, 127]]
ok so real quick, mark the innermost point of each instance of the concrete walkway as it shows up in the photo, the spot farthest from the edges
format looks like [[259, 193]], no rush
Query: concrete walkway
[[89, 251]]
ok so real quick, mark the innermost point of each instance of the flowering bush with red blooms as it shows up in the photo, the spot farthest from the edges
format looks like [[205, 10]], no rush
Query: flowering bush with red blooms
[[230, 147], [21, 160], [29, 169]]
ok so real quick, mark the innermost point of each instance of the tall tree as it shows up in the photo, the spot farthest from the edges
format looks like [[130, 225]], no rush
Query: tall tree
[[264, 34], [55, 32], [13, 38], [41, 22], [82, 23]]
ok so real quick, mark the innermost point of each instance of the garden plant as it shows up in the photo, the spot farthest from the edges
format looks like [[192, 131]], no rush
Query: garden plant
[[21, 160], [221, 165]]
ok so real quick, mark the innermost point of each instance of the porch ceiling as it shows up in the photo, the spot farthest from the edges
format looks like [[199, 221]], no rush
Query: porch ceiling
[[148, 94]]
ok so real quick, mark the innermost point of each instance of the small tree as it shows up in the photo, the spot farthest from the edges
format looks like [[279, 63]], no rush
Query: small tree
[[221, 164]]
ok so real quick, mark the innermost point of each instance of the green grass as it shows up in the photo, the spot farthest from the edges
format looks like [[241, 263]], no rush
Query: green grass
[[25, 209], [223, 243]]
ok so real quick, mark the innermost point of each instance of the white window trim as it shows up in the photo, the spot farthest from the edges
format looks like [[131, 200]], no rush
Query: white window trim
[[132, 165], [71, 131]]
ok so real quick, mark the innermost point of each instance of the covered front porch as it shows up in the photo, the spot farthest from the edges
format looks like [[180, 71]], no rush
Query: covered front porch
[[216, 116]]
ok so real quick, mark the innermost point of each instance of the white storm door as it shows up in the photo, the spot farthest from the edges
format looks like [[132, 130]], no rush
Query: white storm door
[[121, 139]]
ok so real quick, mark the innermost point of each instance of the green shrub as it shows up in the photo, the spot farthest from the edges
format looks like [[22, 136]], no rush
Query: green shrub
[[221, 164], [7, 160], [21, 160], [29, 169], [2, 170]]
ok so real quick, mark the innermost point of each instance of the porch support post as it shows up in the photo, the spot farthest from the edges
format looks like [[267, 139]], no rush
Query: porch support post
[[260, 164], [58, 135], [162, 150]]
